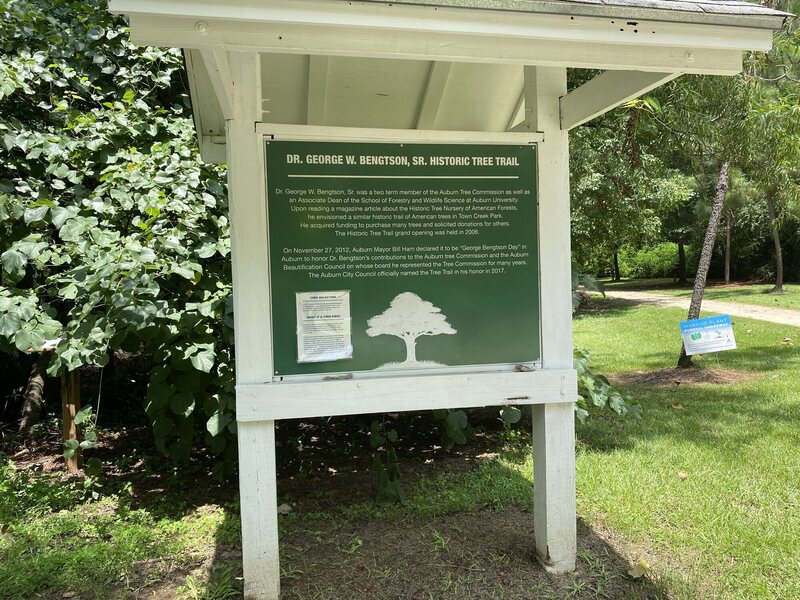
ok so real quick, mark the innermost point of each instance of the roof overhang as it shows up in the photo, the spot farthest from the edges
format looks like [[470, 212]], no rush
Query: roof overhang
[[334, 62]]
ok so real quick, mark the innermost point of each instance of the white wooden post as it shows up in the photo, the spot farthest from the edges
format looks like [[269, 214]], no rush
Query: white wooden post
[[257, 475], [553, 424]]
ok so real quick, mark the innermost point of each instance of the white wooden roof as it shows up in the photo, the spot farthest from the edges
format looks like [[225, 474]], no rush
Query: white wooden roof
[[446, 64], [686, 11]]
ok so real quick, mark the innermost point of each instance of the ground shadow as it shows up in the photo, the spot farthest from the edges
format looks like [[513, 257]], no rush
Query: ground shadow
[[477, 554]]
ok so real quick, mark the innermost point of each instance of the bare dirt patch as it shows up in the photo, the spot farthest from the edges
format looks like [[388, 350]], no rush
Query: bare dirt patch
[[691, 376], [485, 554]]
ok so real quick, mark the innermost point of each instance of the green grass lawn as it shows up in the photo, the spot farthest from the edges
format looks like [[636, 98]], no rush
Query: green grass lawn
[[711, 488], [742, 293], [745, 294]]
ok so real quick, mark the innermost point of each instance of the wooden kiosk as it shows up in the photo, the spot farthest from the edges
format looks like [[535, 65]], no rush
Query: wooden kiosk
[[411, 157]]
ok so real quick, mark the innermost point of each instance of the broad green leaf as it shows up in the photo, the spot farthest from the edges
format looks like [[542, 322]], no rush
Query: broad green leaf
[[83, 415], [13, 261], [70, 448], [217, 423], [35, 213], [71, 230], [182, 404], [9, 324], [203, 359], [26, 340]]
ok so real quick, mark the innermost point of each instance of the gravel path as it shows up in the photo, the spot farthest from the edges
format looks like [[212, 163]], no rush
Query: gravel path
[[781, 316]]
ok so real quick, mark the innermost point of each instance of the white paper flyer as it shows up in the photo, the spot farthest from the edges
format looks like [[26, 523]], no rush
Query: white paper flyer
[[323, 326]]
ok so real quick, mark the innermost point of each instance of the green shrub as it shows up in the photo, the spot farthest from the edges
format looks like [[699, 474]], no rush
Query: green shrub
[[659, 260]]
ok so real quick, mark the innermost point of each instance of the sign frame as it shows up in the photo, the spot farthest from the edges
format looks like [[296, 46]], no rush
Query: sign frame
[[302, 396], [699, 327]]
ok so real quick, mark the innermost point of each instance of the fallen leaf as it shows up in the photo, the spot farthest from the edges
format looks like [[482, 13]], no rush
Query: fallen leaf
[[641, 568], [677, 406], [284, 509], [69, 594], [682, 476], [749, 331]]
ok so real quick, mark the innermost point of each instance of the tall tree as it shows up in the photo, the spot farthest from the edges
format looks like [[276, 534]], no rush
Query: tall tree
[[702, 120], [618, 190], [772, 156]]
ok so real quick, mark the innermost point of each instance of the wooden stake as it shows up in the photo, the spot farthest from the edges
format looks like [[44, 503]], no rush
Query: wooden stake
[[70, 405]]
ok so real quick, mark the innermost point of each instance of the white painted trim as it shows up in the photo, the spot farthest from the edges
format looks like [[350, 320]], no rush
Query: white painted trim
[[554, 502], [294, 400], [317, 89], [605, 92], [212, 151], [219, 71], [518, 114], [391, 18], [257, 473], [434, 93], [554, 505], [259, 510], [337, 40], [356, 134]]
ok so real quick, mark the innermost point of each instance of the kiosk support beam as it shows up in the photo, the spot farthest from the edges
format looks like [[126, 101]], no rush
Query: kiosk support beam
[[218, 69], [434, 93], [317, 89], [607, 91], [554, 508], [257, 473]]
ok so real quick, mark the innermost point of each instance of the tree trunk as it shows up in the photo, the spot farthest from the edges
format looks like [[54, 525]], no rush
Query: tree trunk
[[776, 239], [728, 227], [70, 405], [681, 263], [33, 400], [411, 349], [705, 256], [615, 276]]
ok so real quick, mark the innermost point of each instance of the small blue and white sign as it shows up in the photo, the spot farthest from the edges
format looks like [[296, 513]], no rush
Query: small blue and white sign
[[712, 334]]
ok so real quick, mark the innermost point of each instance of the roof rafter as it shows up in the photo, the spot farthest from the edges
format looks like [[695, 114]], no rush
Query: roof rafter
[[605, 92], [434, 94]]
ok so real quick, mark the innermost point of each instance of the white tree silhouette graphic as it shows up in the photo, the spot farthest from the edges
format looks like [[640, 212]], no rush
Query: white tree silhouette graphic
[[409, 317]]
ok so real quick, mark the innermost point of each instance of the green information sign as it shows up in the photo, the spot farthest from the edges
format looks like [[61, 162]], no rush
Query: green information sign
[[388, 256]]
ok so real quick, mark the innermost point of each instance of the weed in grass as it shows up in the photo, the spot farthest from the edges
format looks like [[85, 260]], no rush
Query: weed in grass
[[220, 585], [577, 588], [315, 535], [467, 580], [352, 545], [601, 579], [449, 583], [499, 593], [380, 574], [296, 571], [497, 559], [440, 543]]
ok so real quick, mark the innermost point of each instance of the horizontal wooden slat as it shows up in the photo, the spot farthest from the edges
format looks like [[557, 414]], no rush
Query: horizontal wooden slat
[[430, 20], [291, 400], [409, 136], [334, 40]]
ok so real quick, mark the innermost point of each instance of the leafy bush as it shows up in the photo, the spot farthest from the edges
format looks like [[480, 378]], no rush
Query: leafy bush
[[658, 260], [112, 230], [596, 391]]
